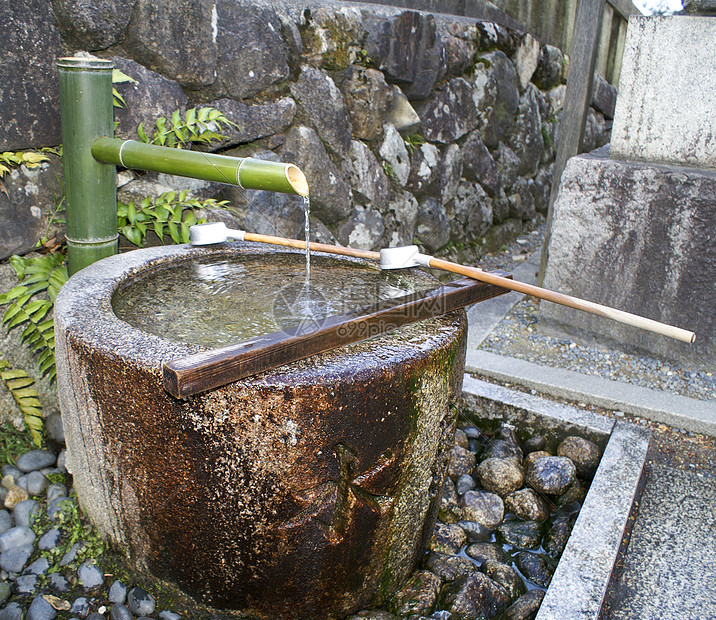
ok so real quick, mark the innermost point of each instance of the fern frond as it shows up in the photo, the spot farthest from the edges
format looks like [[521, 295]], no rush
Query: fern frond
[[19, 385]]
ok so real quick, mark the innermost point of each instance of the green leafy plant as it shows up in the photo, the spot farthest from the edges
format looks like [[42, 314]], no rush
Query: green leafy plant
[[389, 170], [414, 141], [199, 125], [29, 159], [13, 442], [169, 214], [30, 304], [19, 384], [74, 528], [120, 78]]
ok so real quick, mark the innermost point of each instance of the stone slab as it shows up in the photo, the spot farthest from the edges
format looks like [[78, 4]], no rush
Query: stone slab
[[698, 416], [580, 581], [667, 92], [640, 238], [669, 570]]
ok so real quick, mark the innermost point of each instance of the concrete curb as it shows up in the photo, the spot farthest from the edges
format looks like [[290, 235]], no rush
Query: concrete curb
[[579, 584], [690, 414]]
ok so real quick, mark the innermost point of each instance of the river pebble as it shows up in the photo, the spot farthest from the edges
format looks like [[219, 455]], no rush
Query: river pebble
[[34, 460]]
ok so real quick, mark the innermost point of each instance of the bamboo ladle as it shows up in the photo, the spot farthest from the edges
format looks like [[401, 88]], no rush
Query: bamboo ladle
[[410, 256]]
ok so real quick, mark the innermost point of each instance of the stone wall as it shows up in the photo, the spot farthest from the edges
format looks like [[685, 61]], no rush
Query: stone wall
[[409, 126]]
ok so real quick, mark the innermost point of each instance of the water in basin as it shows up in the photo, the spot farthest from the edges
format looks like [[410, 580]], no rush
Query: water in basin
[[214, 302]]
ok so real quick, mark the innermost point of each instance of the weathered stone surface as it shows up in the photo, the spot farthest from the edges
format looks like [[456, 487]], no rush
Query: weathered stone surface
[[583, 453], [363, 230], [700, 7], [368, 98], [479, 165], [604, 96], [254, 121], [548, 73], [323, 106], [525, 607], [503, 449], [368, 179], [424, 163], [418, 595], [639, 238], [506, 576], [448, 567], [533, 567], [450, 511], [665, 108], [551, 475], [152, 96], [557, 536], [526, 59], [462, 461], [522, 204], [395, 154], [520, 534], [496, 96], [527, 504], [332, 38], [500, 476], [460, 47], [483, 507], [330, 192], [402, 115], [26, 206], [400, 218], [469, 212], [92, 25], [508, 163], [432, 228], [476, 532], [449, 173], [524, 137], [251, 54], [595, 134], [474, 596], [191, 59], [447, 538], [408, 49], [30, 95], [450, 113]]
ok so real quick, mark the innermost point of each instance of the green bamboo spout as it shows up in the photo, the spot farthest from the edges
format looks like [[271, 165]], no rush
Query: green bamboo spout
[[247, 172]]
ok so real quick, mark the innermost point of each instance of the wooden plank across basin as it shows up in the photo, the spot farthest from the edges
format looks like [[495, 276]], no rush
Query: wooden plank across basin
[[207, 370]]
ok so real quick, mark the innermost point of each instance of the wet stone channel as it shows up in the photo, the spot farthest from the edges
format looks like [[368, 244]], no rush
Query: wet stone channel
[[507, 511]]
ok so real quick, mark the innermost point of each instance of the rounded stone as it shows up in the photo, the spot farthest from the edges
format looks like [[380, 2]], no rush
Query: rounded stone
[[476, 532], [484, 551], [120, 612], [534, 568], [525, 607], [551, 475], [462, 462], [464, 484], [15, 559], [35, 460], [53, 426], [520, 534], [534, 456], [500, 476], [447, 538], [117, 592], [506, 576], [448, 567], [503, 449], [12, 611], [36, 483], [80, 606], [534, 444], [418, 595], [277, 451], [40, 609], [56, 491], [583, 453], [58, 583], [140, 602], [483, 507], [26, 511], [475, 596], [90, 576], [527, 505], [5, 521], [49, 540], [17, 536]]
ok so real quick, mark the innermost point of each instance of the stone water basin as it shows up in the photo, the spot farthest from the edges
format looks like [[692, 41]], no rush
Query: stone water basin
[[310, 490]]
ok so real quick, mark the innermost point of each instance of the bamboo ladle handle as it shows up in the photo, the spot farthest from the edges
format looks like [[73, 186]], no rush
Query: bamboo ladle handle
[[620, 316]]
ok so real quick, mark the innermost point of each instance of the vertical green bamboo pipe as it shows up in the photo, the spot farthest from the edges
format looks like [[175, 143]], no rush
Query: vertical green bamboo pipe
[[90, 187]]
